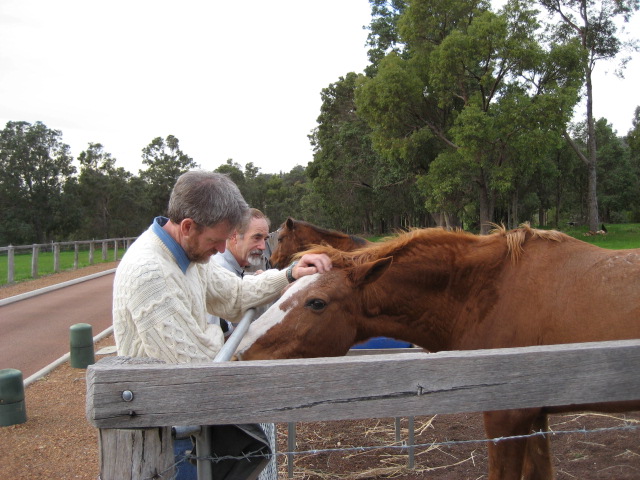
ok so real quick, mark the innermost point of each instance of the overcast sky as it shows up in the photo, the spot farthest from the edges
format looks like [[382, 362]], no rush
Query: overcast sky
[[238, 80]]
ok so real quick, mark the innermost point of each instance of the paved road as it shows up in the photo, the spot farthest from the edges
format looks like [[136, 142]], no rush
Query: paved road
[[35, 332]]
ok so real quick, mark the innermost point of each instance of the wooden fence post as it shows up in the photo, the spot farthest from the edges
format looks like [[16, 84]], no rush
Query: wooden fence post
[[104, 251], [115, 250], [150, 451], [34, 261], [11, 264], [76, 248], [92, 247], [56, 257]]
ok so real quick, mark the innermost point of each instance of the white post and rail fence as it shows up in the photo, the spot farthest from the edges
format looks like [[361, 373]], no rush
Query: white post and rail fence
[[88, 246], [135, 402]]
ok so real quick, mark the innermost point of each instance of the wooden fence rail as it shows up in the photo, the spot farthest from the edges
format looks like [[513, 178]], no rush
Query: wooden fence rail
[[146, 396], [55, 247]]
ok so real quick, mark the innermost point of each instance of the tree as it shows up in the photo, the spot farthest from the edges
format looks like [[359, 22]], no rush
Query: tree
[[383, 35], [592, 23], [254, 190], [475, 89], [112, 201], [35, 165], [344, 167], [234, 171], [618, 187], [166, 162], [633, 141]]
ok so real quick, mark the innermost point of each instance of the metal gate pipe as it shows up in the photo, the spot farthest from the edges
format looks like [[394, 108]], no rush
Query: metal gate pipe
[[204, 444]]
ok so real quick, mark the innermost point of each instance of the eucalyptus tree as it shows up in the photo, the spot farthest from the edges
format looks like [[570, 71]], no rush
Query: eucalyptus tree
[[95, 192], [255, 187], [633, 141], [476, 98], [633, 135], [593, 24], [345, 170], [234, 171], [383, 36], [112, 200], [618, 182], [35, 165], [165, 163]]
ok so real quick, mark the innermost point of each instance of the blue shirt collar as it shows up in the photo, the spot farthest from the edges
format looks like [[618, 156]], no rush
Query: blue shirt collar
[[174, 247], [233, 263]]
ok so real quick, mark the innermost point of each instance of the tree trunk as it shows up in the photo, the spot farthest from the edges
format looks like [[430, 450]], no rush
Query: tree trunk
[[592, 159], [486, 210]]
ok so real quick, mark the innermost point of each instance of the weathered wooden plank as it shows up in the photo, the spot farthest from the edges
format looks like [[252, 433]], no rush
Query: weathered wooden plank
[[366, 386], [136, 454]]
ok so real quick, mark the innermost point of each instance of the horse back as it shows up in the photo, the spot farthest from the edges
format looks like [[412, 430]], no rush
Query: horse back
[[566, 292]]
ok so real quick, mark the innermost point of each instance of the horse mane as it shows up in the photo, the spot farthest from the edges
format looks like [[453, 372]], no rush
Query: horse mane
[[515, 241], [516, 238]]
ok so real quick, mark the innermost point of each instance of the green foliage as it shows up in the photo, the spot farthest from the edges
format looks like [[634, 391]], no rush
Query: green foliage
[[35, 165], [109, 200], [477, 83], [383, 35], [165, 163]]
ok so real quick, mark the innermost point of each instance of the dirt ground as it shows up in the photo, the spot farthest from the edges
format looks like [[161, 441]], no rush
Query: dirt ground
[[57, 442]]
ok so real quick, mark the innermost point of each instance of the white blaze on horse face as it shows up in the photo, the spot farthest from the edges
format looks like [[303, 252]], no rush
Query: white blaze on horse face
[[275, 314]]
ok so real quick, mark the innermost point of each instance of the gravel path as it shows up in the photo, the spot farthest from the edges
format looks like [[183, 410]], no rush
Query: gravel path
[[56, 442]]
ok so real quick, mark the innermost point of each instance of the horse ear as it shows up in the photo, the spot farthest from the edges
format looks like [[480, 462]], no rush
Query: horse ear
[[369, 272], [289, 223]]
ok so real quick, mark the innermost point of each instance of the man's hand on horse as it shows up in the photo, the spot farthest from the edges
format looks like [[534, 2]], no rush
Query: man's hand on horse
[[311, 263]]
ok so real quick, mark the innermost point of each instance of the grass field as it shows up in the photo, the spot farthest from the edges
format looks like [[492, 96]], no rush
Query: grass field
[[22, 263], [618, 237]]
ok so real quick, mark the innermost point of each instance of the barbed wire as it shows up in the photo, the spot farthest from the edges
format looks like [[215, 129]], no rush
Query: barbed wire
[[404, 446]]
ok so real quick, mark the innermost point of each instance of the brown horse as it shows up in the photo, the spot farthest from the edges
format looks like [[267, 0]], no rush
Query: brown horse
[[296, 235], [456, 291]]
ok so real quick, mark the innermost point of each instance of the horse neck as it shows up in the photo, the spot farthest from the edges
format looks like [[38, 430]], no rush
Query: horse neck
[[427, 296], [338, 240]]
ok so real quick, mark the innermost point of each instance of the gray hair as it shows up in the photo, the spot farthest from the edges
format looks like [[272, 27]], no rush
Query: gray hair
[[207, 198], [250, 215]]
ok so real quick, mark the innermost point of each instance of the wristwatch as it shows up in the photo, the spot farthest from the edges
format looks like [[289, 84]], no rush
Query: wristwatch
[[290, 272]]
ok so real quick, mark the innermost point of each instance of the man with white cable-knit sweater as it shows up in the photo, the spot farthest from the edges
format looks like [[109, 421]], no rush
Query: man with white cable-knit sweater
[[165, 284]]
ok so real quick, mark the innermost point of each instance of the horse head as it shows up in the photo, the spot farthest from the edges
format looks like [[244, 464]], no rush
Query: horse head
[[294, 236], [319, 315], [288, 244]]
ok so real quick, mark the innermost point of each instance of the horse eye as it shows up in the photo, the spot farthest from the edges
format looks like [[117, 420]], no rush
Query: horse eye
[[316, 304]]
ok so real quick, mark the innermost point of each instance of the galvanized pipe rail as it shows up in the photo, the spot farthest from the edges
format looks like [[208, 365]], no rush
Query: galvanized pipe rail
[[203, 433]]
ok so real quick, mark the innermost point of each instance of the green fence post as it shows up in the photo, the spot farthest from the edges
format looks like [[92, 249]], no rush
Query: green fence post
[[81, 345], [12, 406]]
